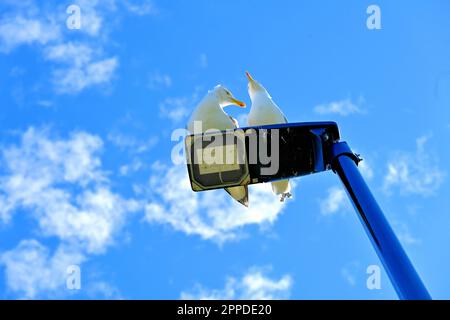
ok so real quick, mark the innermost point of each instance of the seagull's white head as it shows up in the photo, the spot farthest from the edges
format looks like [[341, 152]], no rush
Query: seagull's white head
[[226, 98], [255, 88]]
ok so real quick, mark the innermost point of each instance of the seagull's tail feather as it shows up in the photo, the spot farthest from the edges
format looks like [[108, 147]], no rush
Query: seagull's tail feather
[[240, 194]]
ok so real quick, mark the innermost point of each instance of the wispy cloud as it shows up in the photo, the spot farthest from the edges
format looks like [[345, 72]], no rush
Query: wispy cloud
[[335, 201], [132, 143], [159, 81], [417, 173], [80, 68], [212, 215], [19, 30], [79, 65], [341, 107], [97, 14], [175, 109], [178, 109], [253, 285], [38, 169], [60, 184], [366, 170], [93, 14], [32, 271], [404, 234], [142, 7], [350, 272], [105, 290], [135, 147], [134, 166]]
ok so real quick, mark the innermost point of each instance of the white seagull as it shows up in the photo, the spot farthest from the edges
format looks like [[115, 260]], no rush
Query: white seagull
[[210, 114], [263, 112]]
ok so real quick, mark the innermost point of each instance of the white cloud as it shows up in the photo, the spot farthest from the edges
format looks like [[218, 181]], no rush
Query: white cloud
[[178, 109], [26, 23], [91, 221], [140, 8], [4, 209], [81, 67], [134, 166], [350, 271], [414, 173], [96, 13], [92, 15], [73, 80], [31, 270], [101, 289], [349, 277], [342, 107], [45, 103], [404, 234], [48, 160], [212, 215], [19, 30], [407, 238], [131, 143], [254, 285], [77, 54], [60, 182], [175, 108], [335, 201], [366, 170], [159, 81]]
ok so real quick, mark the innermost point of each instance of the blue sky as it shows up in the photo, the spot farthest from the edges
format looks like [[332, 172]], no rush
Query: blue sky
[[86, 117]]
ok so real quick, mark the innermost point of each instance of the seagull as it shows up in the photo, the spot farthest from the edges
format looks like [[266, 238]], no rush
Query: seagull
[[263, 112], [209, 112]]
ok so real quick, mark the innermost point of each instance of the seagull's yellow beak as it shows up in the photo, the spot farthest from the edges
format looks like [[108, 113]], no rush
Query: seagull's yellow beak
[[250, 78], [237, 102]]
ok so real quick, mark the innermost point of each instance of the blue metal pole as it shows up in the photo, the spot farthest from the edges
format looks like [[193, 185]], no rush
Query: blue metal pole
[[399, 268]]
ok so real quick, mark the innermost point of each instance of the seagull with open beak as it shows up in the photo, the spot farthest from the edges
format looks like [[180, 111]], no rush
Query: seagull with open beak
[[209, 114], [264, 112]]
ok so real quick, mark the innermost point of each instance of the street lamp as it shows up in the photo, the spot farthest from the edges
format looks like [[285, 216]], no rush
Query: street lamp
[[219, 159]]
